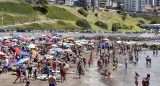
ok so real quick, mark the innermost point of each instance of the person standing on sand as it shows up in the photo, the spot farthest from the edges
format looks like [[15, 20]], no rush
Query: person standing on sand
[[126, 64], [19, 73], [136, 78], [52, 80]]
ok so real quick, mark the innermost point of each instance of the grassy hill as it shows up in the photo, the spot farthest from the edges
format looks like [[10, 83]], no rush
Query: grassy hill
[[15, 11]]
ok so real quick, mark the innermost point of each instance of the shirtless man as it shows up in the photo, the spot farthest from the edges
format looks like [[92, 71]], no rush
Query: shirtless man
[[136, 78], [52, 80]]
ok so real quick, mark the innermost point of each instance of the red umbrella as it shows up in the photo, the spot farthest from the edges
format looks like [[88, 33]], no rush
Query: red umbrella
[[36, 44], [49, 43], [2, 54], [18, 51]]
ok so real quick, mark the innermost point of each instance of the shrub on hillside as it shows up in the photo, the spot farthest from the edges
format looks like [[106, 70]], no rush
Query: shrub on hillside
[[155, 22], [83, 23], [83, 12], [141, 21], [101, 25], [96, 14], [61, 22], [145, 16], [116, 26], [41, 9]]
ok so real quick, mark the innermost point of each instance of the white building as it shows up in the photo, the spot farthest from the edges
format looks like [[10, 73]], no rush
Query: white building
[[156, 3], [134, 5]]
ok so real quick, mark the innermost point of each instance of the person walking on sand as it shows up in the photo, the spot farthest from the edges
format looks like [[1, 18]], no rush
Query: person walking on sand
[[19, 73], [52, 80], [136, 78], [126, 64]]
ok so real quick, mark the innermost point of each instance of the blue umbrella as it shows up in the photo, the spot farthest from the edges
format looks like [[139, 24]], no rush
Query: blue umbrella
[[17, 36], [22, 61], [24, 54], [58, 50], [49, 40], [58, 35]]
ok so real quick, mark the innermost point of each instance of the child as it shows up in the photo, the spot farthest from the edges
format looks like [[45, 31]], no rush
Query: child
[[35, 74]]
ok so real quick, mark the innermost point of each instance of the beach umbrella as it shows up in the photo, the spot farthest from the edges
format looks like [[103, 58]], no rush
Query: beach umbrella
[[67, 45], [34, 52], [49, 40], [15, 40], [36, 44], [119, 42], [49, 43], [2, 54], [7, 41], [0, 42], [58, 35], [66, 49], [11, 43], [89, 44], [24, 54], [31, 46], [47, 56], [51, 52], [49, 35], [69, 52], [106, 39], [58, 50], [18, 51], [53, 45], [24, 38], [71, 38], [22, 61], [1, 39], [17, 36], [43, 35], [40, 45]]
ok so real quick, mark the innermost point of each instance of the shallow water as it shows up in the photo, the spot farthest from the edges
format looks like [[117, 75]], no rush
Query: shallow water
[[122, 77]]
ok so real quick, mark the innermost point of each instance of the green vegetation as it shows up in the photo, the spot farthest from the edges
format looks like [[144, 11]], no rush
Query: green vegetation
[[61, 13], [15, 12], [101, 25], [17, 8], [83, 12], [56, 25], [83, 24], [42, 2]]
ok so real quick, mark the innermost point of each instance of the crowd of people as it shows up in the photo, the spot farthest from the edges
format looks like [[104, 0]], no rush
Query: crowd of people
[[50, 56]]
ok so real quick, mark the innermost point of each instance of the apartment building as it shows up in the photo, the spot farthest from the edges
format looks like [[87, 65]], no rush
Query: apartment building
[[134, 5], [156, 3]]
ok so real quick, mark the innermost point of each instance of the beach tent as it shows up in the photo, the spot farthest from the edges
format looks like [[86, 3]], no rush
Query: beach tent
[[24, 54], [22, 61], [7, 41]]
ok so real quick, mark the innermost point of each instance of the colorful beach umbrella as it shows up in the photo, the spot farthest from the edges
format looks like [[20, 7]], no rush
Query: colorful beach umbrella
[[31, 46], [22, 61], [58, 50], [69, 52], [47, 56], [51, 52], [49, 43], [24, 54], [2, 54], [18, 51]]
